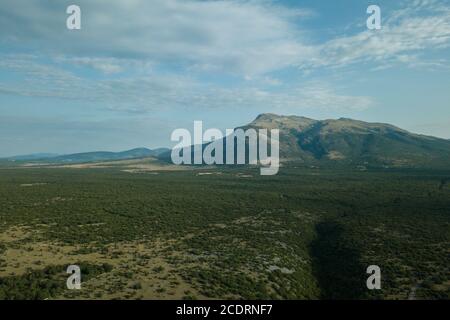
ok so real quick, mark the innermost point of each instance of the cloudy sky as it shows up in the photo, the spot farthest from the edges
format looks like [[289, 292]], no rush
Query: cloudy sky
[[139, 69]]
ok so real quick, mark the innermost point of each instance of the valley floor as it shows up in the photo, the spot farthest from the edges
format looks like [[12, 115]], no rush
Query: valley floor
[[224, 233]]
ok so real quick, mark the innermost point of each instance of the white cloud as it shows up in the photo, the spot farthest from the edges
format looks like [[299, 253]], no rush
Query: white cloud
[[105, 65], [421, 26], [245, 37], [156, 92], [249, 39]]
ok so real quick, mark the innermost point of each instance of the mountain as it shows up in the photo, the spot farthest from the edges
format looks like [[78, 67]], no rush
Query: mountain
[[312, 142], [93, 156], [350, 142]]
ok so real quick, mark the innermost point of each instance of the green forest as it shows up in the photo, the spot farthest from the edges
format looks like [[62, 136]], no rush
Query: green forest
[[307, 233]]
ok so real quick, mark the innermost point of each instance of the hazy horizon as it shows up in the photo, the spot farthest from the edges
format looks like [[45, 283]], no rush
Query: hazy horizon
[[168, 145]]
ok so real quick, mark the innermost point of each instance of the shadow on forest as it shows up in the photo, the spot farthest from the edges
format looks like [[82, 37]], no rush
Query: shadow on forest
[[336, 265]]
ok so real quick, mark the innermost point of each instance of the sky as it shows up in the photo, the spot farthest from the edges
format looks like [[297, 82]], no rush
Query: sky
[[138, 69]]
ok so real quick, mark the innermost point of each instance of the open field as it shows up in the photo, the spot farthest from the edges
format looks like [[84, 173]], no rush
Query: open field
[[223, 233]]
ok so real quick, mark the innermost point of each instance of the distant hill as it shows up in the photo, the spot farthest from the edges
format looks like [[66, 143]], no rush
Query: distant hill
[[311, 142], [92, 156], [33, 156], [350, 142]]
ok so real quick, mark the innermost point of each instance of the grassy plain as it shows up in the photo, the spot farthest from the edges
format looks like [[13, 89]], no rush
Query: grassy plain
[[224, 233]]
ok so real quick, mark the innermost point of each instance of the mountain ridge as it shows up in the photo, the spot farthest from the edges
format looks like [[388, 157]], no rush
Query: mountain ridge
[[350, 141], [347, 142], [311, 142], [92, 156]]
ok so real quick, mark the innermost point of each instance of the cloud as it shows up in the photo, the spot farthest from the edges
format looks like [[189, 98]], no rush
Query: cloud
[[156, 92], [421, 26], [155, 54], [105, 65], [246, 37], [142, 58]]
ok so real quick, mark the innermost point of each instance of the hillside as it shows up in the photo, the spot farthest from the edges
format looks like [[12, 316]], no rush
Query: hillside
[[343, 142], [348, 141]]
